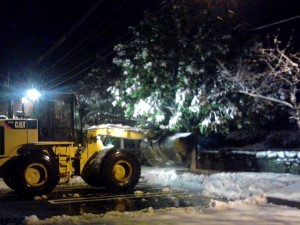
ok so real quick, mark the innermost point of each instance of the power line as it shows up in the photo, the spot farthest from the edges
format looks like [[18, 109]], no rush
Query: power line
[[90, 66], [276, 23], [92, 56], [68, 33], [83, 70], [85, 61], [85, 38], [69, 52], [73, 76]]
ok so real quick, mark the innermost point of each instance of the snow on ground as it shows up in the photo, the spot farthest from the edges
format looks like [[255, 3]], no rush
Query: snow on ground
[[245, 215], [230, 186], [3, 187], [245, 193]]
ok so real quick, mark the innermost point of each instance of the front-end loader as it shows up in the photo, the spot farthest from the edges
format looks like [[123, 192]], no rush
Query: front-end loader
[[31, 167]]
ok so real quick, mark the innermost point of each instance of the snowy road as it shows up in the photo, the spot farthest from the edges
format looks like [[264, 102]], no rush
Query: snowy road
[[245, 200], [78, 198]]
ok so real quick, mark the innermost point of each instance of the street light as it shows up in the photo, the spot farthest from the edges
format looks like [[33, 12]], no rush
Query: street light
[[33, 94]]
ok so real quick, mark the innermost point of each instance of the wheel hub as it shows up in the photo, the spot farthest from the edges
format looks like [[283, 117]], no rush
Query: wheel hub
[[122, 171], [32, 175], [36, 174]]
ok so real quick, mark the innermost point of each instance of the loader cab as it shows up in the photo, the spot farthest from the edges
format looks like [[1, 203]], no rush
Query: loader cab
[[16, 132]]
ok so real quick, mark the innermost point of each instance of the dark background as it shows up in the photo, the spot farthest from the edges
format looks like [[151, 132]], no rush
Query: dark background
[[31, 31]]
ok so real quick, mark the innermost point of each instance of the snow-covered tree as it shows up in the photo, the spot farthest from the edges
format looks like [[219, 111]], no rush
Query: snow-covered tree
[[170, 67], [278, 83], [93, 98]]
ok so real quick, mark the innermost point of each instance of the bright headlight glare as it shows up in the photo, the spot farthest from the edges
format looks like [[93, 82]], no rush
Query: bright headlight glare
[[33, 94]]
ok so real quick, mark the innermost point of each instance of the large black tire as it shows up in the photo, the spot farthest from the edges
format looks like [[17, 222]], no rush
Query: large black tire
[[120, 170], [37, 174], [8, 176], [10, 181], [92, 174], [93, 180]]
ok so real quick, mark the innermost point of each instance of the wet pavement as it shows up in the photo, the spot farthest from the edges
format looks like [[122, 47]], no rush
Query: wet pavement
[[77, 200]]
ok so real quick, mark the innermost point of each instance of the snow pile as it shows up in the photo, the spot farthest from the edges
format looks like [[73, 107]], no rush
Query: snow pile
[[113, 217], [255, 200], [138, 193], [229, 186], [74, 181], [43, 197], [287, 157], [3, 186]]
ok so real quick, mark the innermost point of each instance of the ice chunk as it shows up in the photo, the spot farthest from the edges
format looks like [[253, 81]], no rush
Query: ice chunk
[[272, 155], [281, 155], [290, 154], [261, 155]]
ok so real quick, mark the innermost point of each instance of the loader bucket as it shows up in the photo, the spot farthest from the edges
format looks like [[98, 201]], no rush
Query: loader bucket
[[174, 150]]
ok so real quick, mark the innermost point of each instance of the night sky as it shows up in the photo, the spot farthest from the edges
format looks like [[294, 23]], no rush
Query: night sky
[[31, 30]]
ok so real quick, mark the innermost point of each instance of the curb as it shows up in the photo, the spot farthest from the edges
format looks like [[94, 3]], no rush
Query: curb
[[285, 202]]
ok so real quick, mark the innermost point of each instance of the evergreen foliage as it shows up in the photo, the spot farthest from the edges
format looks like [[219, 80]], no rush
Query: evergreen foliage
[[93, 98], [170, 75]]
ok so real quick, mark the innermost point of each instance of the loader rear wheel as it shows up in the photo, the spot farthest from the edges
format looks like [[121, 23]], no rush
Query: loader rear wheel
[[10, 181], [121, 170], [8, 176], [37, 175]]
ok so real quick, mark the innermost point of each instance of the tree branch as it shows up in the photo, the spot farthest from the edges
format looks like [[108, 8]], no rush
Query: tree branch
[[267, 98]]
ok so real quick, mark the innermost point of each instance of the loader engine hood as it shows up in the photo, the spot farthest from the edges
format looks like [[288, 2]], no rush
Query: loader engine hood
[[119, 131]]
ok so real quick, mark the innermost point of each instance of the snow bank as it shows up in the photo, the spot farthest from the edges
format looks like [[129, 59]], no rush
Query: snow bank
[[246, 194], [246, 191], [255, 200], [230, 186]]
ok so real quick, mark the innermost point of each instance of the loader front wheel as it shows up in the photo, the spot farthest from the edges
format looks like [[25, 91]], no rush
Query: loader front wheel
[[37, 175], [121, 170]]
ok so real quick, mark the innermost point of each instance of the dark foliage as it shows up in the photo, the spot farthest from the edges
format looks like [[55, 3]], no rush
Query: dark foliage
[[245, 137], [283, 139], [211, 142]]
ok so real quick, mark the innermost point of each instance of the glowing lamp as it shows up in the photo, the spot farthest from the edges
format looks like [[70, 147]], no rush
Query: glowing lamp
[[33, 94]]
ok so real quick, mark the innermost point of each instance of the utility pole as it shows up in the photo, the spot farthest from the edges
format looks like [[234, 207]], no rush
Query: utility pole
[[9, 101], [73, 110]]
